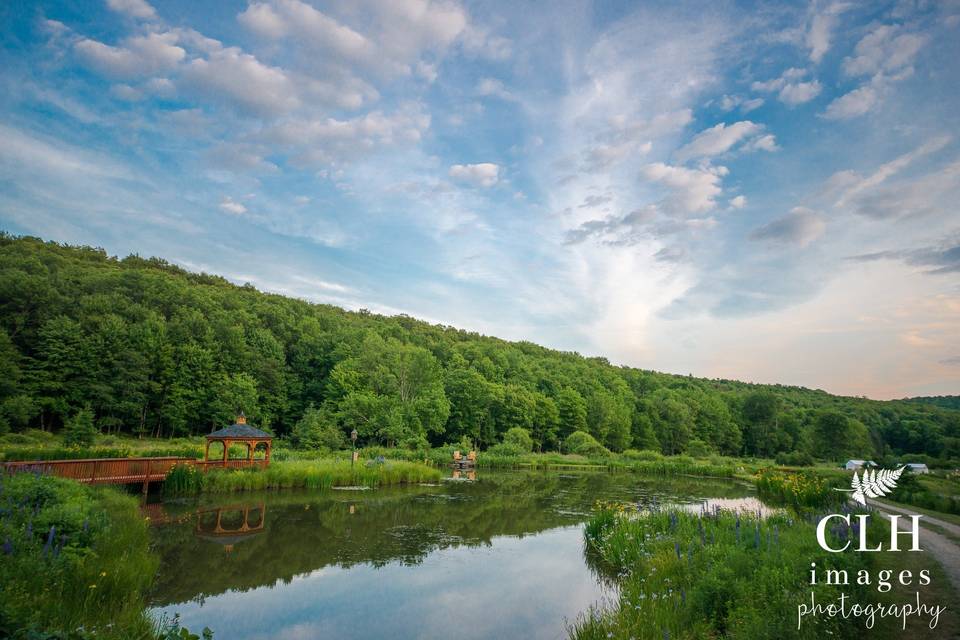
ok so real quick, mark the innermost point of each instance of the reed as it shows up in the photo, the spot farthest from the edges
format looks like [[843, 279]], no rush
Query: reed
[[304, 474]]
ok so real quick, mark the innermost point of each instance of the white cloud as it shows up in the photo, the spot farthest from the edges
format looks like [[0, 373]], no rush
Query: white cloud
[[134, 8], [850, 184], [885, 49], [821, 29], [137, 56], [800, 227], [283, 18], [230, 205], [729, 103], [853, 104], [693, 190], [790, 90], [738, 202], [493, 87], [720, 139], [329, 140], [794, 94], [238, 78], [484, 174]]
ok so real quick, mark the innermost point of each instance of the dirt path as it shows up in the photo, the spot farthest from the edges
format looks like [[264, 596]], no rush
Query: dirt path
[[946, 526], [946, 552]]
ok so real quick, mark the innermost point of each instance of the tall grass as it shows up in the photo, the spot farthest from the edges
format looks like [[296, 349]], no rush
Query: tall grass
[[307, 474], [797, 489], [73, 558], [683, 575]]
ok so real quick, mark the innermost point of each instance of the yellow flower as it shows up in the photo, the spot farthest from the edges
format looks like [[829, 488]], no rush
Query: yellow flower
[[103, 574], [93, 586]]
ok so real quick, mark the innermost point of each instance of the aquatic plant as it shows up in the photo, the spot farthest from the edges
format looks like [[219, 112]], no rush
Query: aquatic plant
[[308, 474]]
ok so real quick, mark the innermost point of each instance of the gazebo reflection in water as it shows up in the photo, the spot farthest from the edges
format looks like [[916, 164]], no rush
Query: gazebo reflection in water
[[230, 525]]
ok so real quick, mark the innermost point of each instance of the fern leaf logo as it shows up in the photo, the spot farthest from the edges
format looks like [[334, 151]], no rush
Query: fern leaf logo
[[873, 484]]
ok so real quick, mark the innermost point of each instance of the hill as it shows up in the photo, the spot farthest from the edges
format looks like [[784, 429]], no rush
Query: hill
[[153, 349]]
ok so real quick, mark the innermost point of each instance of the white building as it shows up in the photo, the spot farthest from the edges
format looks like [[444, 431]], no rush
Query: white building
[[917, 467], [853, 465]]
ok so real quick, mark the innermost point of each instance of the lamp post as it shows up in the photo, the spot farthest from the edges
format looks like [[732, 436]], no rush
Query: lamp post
[[353, 439]]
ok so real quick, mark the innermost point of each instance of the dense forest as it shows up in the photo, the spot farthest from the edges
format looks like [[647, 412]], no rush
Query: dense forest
[[150, 349]]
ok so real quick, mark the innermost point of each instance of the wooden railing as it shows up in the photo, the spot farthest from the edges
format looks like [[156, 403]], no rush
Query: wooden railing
[[121, 470]]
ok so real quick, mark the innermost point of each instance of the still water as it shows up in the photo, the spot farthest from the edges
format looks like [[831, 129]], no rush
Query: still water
[[499, 557]]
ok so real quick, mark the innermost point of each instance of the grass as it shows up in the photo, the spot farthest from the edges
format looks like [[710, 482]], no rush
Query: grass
[[683, 575], [797, 489], [308, 474], [74, 558]]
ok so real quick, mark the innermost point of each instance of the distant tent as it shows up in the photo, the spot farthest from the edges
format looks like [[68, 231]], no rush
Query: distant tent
[[917, 467]]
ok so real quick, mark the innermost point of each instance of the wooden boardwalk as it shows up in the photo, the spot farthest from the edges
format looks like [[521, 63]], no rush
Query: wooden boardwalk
[[121, 470]]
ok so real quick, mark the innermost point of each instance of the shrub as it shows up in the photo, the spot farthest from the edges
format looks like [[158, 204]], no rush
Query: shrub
[[642, 454], [698, 449], [584, 444], [518, 438], [794, 459], [316, 430], [504, 449], [79, 430]]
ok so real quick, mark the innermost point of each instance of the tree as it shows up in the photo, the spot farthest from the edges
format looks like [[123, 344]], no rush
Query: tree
[[573, 411], [672, 420], [546, 422], [831, 429], [518, 438], [79, 430], [316, 430]]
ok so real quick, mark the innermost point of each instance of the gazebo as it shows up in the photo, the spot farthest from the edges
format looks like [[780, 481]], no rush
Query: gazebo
[[240, 433]]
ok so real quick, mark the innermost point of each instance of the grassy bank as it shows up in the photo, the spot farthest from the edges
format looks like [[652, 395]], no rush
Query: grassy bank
[[307, 474], [73, 558], [689, 576]]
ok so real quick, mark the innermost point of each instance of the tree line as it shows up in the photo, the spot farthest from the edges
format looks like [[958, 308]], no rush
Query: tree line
[[147, 348]]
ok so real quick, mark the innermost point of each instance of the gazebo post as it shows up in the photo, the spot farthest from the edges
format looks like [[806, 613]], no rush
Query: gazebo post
[[226, 450]]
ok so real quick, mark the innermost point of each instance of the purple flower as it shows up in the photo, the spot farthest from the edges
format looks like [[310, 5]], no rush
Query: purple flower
[[46, 547], [7, 547]]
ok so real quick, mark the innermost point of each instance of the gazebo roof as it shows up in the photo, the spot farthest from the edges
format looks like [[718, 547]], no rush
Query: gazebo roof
[[240, 430]]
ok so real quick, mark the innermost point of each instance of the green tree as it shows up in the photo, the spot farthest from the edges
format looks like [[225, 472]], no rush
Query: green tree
[[79, 430], [518, 438], [573, 411], [316, 430]]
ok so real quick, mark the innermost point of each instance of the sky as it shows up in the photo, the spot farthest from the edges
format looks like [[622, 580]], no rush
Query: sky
[[764, 192]]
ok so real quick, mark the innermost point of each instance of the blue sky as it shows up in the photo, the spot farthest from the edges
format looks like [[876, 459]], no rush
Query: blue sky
[[754, 191]]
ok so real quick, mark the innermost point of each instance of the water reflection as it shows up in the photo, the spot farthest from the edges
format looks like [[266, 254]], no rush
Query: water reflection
[[500, 556], [231, 524]]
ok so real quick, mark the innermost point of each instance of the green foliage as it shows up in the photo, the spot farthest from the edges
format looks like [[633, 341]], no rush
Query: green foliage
[[795, 459], [584, 444], [698, 449], [79, 430], [518, 438], [797, 489], [317, 430], [312, 474], [154, 350], [680, 575], [93, 571]]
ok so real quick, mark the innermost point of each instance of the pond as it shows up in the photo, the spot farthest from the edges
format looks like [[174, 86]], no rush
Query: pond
[[502, 556]]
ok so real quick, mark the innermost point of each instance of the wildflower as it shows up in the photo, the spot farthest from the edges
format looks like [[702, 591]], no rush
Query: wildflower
[[7, 547], [46, 547], [93, 586]]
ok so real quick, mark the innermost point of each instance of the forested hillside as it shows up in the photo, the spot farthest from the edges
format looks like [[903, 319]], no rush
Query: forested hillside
[[152, 349]]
